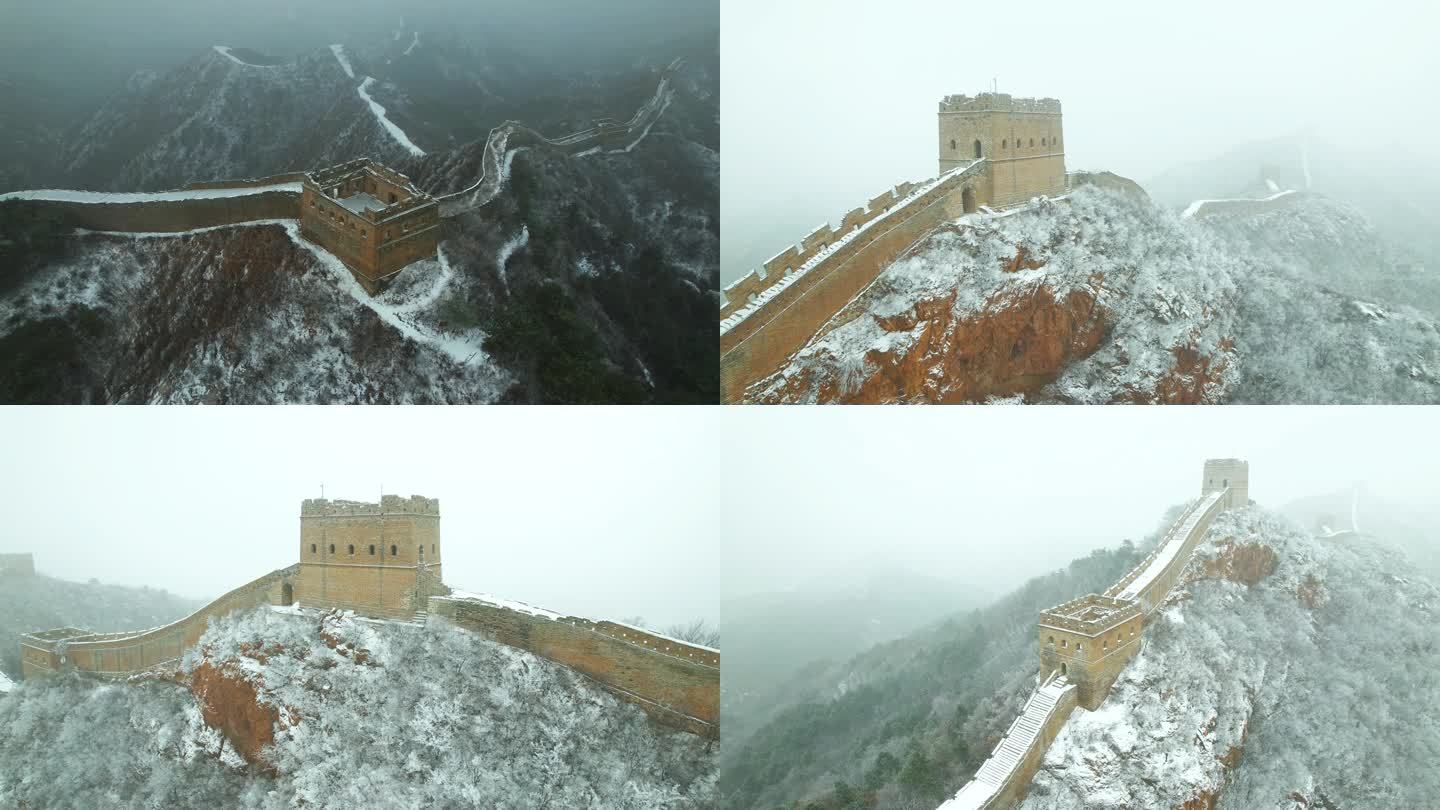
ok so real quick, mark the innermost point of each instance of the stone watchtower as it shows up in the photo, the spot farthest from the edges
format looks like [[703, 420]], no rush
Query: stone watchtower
[[1228, 472], [1021, 140], [1089, 641], [371, 218], [379, 559]]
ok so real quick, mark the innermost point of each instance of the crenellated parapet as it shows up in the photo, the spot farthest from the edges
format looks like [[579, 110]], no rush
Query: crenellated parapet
[[998, 102], [387, 505], [676, 682]]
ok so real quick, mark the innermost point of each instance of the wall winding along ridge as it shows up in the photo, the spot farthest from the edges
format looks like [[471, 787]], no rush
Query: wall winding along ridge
[[126, 653], [1079, 671], [762, 324], [676, 683]]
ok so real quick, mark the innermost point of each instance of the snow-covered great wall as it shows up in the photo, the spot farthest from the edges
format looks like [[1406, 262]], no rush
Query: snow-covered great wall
[[675, 682], [126, 653], [766, 319], [229, 202], [1086, 643], [206, 205]]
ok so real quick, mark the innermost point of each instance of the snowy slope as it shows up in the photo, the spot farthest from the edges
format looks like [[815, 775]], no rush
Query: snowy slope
[[248, 313], [218, 117], [1104, 297], [368, 714], [1311, 687]]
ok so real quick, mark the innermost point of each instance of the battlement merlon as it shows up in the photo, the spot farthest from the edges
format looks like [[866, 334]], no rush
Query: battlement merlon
[[998, 102], [1091, 614], [333, 174], [388, 505]]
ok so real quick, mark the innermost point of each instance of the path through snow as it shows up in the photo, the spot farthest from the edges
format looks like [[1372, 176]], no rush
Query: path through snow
[[507, 250], [395, 132], [224, 50], [339, 51], [463, 350]]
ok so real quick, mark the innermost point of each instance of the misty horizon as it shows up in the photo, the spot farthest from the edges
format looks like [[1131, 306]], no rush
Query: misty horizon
[[1144, 91], [1003, 499], [200, 502]]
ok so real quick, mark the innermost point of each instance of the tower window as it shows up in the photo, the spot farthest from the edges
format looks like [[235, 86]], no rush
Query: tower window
[[953, 146], [1042, 141], [372, 550], [1032, 142], [332, 548], [432, 548], [1004, 143], [352, 550], [393, 552], [977, 148], [1064, 643], [312, 548]]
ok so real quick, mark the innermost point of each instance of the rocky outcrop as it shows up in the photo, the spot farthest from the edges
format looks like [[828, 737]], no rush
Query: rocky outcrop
[[1089, 300], [1017, 343], [230, 703], [1245, 563]]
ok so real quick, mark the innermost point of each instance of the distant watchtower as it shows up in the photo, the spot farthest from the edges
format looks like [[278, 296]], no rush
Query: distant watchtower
[[1228, 472], [1021, 140], [379, 559]]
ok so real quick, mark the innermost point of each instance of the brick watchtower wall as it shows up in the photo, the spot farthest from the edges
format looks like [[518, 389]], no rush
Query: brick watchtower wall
[[378, 559], [1233, 473], [1089, 641], [1021, 140], [377, 243], [17, 565]]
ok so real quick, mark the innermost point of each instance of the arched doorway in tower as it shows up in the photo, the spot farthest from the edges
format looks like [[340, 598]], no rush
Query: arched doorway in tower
[[287, 594], [978, 152], [1064, 670], [967, 200]]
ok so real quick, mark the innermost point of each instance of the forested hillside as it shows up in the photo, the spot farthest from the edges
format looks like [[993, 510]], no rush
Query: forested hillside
[[896, 725]]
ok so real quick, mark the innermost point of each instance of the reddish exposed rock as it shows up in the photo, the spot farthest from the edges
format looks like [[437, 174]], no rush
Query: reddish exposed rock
[[1246, 563], [1016, 344], [1189, 380], [1022, 261], [1311, 592], [229, 703]]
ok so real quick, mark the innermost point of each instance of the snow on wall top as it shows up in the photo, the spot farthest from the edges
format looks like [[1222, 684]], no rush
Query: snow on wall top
[[1175, 540], [906, 195], [395, 132], [339, 51], [80, 196], [1194, 207], [1010, 753], [224, 50]]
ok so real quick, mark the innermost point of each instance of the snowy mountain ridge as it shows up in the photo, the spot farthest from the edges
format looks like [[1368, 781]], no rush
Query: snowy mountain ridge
[[337, 712], [1277, 676], [1106, 297]]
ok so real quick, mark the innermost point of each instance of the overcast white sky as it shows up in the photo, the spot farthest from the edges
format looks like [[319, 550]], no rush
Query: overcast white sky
[[824, 105], [600, 512], [995, 495]]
